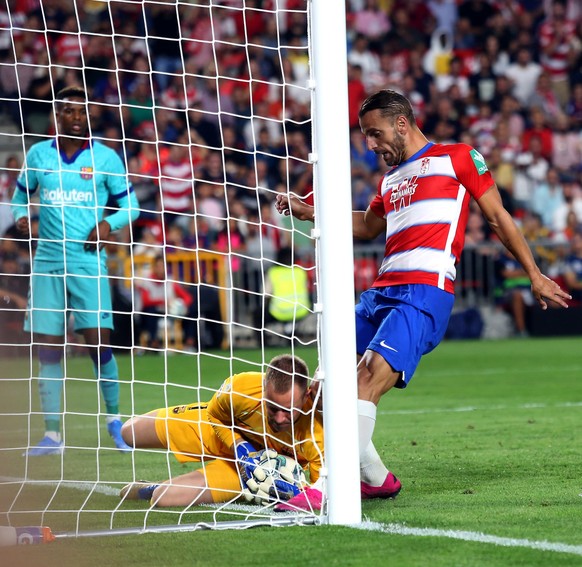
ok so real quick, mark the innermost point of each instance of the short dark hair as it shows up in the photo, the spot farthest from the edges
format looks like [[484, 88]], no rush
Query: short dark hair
[[390, 104], [70, 92], [286, 370]]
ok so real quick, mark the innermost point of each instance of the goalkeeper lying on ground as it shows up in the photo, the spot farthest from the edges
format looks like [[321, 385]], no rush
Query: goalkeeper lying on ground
[[250, 413]]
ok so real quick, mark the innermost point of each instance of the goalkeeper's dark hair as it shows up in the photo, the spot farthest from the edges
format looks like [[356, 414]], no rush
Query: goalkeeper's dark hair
[[390, 104], [70, 92], [286, 370]]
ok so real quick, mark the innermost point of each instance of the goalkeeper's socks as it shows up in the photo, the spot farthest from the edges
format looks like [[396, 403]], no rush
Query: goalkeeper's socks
[[105, 368], [147, 492], [372, 469], [50, 384]]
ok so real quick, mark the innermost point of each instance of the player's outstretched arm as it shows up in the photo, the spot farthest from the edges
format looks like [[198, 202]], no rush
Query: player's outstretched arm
[[542, 287]]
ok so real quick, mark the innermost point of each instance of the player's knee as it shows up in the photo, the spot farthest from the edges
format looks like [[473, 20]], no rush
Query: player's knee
[[50, 355], [101, 355], [375, 377], [127, 431]]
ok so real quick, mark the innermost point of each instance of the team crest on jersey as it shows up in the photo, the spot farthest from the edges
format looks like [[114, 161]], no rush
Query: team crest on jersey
[[402, 194], [424, 165], [86, 173], [479, 162]]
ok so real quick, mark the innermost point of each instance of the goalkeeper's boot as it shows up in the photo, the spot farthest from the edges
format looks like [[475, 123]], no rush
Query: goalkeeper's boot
[[309, 499], [388, 489], [114, 430], [46, 446], [140, 490]]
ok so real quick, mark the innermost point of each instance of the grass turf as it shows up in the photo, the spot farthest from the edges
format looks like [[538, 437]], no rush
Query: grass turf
[[485, 440]]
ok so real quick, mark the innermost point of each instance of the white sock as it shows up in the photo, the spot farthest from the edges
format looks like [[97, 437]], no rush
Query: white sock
[[372, 469], [366, 423], [111, 418], [54, 435]]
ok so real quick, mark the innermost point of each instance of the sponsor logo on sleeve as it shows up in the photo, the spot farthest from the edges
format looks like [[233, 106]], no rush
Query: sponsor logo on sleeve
[[479, 162]]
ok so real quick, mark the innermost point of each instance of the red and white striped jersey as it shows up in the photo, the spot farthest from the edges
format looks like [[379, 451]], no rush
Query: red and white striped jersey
[[176, 179], [555, 52], [425, 201]]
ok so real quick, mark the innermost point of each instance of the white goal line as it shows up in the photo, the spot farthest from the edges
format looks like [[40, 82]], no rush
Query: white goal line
[[478, 537], [392, 528]]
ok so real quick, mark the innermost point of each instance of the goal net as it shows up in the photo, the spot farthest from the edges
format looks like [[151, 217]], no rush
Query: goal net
[[210, 106]]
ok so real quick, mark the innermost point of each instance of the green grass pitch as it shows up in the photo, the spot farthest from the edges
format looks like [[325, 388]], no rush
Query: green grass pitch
[[486, 440]]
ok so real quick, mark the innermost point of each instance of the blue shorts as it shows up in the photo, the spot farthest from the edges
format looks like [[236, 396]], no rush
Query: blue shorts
[[53, 296], [402, 323]]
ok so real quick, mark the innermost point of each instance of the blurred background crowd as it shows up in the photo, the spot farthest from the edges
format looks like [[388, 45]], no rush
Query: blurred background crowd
[[209, 106]]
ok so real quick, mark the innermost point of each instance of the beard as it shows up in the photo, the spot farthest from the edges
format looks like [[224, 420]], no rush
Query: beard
[[397, 151]]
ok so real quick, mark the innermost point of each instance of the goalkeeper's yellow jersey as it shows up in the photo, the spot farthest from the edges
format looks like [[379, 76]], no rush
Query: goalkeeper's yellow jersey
[[237, 411]]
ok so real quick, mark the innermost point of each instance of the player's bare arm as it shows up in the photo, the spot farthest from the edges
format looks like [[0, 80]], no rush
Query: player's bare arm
[[543, 288], [366, 225], [99, 234]]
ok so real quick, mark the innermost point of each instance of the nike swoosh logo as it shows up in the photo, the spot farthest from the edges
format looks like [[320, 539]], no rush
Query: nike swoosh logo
[[383, 344], [48, 172]]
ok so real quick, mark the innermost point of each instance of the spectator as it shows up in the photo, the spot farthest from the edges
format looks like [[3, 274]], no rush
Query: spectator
[[13, 302], [498, 57], [566, 145], [523, 74], [538, 129], [516, 291], [573, 268], [445, 13], [454, 76], [8, 177], [356, 93], [569, 214], [531, 169], [437, 59], [574, 106], [163, 29], [177, 185], [557, 41], [159, 297], [482, 82], [361, 55], [548, 197], [509, 114], [545, 98], [372, 22], [478, 13]]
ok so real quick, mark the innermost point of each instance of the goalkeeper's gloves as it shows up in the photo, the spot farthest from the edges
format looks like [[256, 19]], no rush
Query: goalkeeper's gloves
[[247, 458], [277, 489]]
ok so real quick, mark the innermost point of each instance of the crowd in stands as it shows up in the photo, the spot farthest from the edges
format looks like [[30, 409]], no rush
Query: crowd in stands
[[213, 121]]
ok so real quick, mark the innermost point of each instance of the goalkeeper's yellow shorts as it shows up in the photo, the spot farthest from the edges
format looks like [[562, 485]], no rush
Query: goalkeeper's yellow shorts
[[185, 430]]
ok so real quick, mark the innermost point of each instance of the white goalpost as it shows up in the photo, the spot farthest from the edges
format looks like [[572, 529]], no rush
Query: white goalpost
[[215, 107]]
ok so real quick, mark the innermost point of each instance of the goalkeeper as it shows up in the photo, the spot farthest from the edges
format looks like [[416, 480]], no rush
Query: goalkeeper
[[250, 412], [74, 178]]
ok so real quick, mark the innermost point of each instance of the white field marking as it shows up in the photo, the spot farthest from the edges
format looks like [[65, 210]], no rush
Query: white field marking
[[462, 409], [478, 537], [499, 371], [465, 409], [75, 485], [395, 529]]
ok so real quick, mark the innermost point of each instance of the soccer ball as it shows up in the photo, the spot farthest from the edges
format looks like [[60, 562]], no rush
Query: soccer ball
[[263, 487]]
